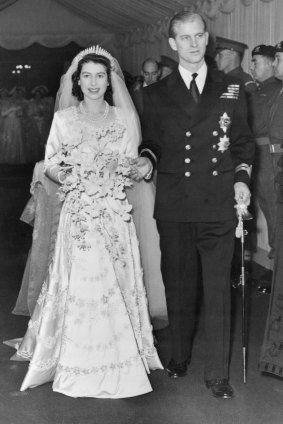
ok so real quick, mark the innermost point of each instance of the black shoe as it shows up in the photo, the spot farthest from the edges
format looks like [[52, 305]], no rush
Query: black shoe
[[176, 370], [220, 388]]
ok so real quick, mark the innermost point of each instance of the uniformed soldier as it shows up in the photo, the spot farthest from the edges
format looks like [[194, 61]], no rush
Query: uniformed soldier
[[229, 56], [265, 164], [276, 110], [275, 127], [271, 358]]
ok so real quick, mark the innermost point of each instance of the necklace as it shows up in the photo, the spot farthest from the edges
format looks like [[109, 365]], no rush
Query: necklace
[[95, 116]]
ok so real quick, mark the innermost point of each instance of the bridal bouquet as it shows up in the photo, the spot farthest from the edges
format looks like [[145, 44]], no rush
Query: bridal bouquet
[[94, 188]]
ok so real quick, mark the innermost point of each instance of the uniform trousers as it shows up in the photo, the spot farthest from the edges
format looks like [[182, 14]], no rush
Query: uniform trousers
[[264, 171], [185, 247]]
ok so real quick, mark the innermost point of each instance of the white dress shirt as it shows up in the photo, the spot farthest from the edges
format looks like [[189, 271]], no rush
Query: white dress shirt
[[200, 79]]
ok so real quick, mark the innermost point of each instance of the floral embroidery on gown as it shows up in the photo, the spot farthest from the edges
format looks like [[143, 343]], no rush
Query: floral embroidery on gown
[[90, 332]]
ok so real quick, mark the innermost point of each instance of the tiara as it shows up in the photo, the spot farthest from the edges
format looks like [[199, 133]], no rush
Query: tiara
[[95, 50]]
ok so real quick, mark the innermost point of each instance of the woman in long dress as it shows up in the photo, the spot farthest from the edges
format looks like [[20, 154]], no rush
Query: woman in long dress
[[42, 212], [40, 112], [11, 142], [90, 331], [34, 148]]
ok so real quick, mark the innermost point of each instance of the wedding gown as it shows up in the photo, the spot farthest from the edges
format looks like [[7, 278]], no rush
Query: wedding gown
[[43, 212], [90, 331]]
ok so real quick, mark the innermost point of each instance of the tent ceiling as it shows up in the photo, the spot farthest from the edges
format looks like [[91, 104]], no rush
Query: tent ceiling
[[124, 15], [56, 23]]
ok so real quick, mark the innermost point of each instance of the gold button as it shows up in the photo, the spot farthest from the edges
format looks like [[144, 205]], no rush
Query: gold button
[[214, 173], [188, 147], [187, 160], [187, 174], [188, 133], [214, 160], [215, 133]]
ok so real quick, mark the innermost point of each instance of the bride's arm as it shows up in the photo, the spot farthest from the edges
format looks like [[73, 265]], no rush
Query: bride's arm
[[52, 168]]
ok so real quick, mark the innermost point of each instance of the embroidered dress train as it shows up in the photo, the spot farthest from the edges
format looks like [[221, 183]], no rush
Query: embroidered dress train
[[90, 331]]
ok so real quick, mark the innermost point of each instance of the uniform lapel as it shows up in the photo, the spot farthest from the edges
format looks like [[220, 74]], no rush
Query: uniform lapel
[[211, 93], [178, 93]]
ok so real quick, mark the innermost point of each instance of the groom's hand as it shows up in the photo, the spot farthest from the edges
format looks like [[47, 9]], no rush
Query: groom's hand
[[141, 168], [242, 193]]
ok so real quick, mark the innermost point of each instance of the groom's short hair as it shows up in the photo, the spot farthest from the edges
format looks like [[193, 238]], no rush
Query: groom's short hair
[[184, 16]]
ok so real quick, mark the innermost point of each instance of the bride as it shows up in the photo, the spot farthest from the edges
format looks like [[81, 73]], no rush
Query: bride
[[90, 331]]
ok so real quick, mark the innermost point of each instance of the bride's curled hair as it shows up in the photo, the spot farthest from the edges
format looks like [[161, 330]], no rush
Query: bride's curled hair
[[76, 89]]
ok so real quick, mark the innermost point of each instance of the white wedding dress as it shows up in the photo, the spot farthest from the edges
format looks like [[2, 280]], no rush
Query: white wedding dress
[[90, 331]]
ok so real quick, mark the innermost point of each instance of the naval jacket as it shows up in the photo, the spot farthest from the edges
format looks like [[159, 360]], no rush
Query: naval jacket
[[201, 150]]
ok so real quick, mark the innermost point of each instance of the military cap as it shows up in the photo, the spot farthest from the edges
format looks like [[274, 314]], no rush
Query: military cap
[[168, 62], [264, 50], [226, 44], [279, 47]]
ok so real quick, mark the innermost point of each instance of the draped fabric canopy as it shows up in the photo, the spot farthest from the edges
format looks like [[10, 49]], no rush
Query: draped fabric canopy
[[55, 23], [24, 22], [132, 29]]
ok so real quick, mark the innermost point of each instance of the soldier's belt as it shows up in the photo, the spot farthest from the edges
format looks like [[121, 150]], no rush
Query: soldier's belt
[[275, 148]]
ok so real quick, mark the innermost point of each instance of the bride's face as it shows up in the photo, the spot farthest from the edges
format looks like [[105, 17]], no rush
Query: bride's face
[[93, 81]]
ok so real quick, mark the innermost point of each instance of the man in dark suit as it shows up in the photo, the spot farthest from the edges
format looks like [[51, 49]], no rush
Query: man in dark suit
[[150, 74], [195, 132]]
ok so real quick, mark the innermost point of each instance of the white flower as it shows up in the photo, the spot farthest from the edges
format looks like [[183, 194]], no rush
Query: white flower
[[225, 122], [223, 144]]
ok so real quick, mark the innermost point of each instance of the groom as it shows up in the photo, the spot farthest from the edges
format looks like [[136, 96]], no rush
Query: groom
[[195, 133]]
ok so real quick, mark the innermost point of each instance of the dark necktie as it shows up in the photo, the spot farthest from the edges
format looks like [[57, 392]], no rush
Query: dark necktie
[[194, 88]]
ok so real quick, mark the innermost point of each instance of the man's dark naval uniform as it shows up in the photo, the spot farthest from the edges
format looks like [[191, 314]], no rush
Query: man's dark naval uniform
[[202, 150]]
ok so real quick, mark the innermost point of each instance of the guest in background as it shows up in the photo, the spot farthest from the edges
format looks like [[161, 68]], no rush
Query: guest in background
[[265, 165], [150, 74], [40, 111], [11, 136], [4, 93], [229, 56], [271, 355], [167, 65]]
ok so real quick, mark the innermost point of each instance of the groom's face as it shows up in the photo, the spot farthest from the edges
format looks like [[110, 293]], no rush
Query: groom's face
[[190, 41]]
